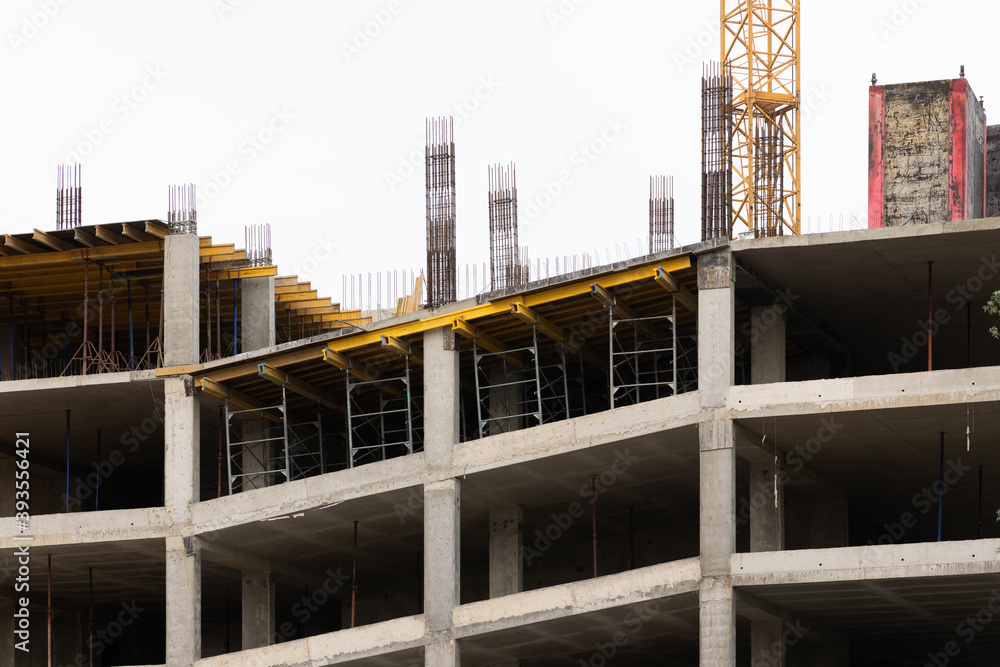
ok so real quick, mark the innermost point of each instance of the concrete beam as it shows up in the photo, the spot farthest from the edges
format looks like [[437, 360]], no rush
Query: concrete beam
[[581, 597]]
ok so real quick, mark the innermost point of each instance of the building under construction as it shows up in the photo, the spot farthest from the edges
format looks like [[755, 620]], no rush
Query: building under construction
[[760, 449]]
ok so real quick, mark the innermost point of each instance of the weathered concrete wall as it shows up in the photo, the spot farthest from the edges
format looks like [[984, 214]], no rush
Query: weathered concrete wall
[[993, 171], [916, 152], [926, 153]]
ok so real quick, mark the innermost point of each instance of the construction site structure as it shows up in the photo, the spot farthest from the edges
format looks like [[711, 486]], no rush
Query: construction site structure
[[760, 53], [506, 269]]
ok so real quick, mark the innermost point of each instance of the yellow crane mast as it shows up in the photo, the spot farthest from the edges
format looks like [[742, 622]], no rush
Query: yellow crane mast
[[760, 52]]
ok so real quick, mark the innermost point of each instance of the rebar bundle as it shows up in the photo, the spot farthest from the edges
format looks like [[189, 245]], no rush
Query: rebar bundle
[[69, 196], [769, 152], [716, 154], [440, 174], [505, 264], [661, 214], [257, 241], [182, 215]]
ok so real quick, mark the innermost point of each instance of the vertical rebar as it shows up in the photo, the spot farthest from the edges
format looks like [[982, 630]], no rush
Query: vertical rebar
[[354, 576], [441, 211], [505, 269], [661, 214], [716, 153]]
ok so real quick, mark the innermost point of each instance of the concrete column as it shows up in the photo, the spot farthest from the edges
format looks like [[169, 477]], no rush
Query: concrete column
[[718, 541], [767, 344], [504, 400], [258, 609], [767, 521], [182, 434], [506, 563], [183, 601], [829, 523], [254, 455], [257, 313], [442, 522], [443, 654], [180, 299], [716, 327], [441, 397], [767, 645]]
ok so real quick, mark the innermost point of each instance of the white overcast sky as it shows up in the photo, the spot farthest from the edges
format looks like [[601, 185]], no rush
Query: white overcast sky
[[151, 93]]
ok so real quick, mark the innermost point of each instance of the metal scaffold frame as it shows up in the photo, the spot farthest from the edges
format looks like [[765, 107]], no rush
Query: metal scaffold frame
[[637, 371], [256, 448], [370, 433]]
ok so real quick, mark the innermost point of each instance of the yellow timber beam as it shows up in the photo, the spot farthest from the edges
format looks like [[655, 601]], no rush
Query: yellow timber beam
[[483, 339], [300, 387], [343, 362], [51, 241], [21, 246], [110, 236], [402, 348], [620, 310], [356, 340], [237, 398], [157, 229], [136, 234], [669, 283]]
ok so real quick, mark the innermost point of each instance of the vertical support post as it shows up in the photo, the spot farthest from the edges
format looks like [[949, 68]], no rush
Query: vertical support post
[[131, 332], [258, 609], [257, 297], [48, 612], [593, 494], [90, 623], [86, 312], [67, 459], [930, 314], [97, 493], [182, 437], [354, 577], [940, 486], [506, 557], [180, 299], [183, 578], [717, 459], [442, 523]]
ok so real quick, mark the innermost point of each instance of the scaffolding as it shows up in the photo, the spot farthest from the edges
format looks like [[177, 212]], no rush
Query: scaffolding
[[661, 214], [440, 176], [642, 356], [388, 430], [716, 154], [256, 458]]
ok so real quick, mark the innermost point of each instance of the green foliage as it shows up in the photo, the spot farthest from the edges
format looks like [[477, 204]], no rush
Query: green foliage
[[992, 307]]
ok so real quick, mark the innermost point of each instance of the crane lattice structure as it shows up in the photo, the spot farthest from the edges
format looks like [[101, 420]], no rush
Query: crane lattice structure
[[760, 52]]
